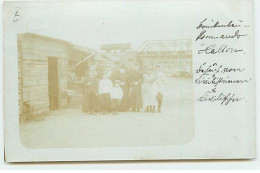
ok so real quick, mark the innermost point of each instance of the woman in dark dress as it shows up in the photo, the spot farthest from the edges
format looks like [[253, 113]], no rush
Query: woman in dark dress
[[90, 93], [136, 79], [123, 77]]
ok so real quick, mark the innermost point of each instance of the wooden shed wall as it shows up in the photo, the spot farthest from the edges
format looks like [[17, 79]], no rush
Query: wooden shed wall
[[33, 53]]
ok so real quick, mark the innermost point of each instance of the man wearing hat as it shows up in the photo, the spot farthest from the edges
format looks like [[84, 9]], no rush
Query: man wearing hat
[[116, 96], [90, 92], [136, 79]]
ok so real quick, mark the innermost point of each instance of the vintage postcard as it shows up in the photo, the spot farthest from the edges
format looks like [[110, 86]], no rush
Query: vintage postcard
[[129, 80]]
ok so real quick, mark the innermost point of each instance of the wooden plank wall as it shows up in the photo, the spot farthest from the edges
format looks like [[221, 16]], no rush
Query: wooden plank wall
[[33, 71]]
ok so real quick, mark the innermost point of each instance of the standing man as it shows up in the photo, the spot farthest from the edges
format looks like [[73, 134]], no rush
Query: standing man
[[90, 92], [123, 77], [136, 79], [105, 86], [116, 95]]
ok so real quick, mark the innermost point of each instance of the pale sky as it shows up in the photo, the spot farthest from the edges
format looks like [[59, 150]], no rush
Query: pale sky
[[94, 23]]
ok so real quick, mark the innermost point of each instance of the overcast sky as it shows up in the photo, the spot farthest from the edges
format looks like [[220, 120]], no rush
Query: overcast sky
[[94, 23]]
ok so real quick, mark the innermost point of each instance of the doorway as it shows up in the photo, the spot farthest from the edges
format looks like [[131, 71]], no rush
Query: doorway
[[53, 83]]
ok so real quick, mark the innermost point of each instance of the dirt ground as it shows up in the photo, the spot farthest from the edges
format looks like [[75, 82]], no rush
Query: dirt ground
[[71, 127]]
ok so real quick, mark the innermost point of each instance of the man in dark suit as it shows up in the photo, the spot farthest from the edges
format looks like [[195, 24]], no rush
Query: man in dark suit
[[90, 92], [136, 79]]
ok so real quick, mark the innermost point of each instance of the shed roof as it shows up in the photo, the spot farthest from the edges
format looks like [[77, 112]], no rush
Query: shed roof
[[44, 37], [77, 47]]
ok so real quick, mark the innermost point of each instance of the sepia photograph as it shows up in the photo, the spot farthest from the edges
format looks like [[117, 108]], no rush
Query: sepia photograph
[[101, 80], [129, 80]]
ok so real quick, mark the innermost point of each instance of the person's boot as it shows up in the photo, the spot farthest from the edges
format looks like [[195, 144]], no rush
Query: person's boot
[[159, 99], [132, 110], [159, 108], [153, 109], [147, 109]]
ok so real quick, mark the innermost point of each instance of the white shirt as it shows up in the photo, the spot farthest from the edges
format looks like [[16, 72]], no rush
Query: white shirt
[[116, 93], [105, 86]]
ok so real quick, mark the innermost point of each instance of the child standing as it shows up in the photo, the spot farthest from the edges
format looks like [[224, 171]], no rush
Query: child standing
[[116, 96], [104, 88]]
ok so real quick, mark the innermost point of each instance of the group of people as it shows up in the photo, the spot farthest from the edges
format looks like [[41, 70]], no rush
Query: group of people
[[123, 89]]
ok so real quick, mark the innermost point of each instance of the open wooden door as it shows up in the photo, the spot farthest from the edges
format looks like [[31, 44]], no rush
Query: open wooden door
[[53, 82]]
